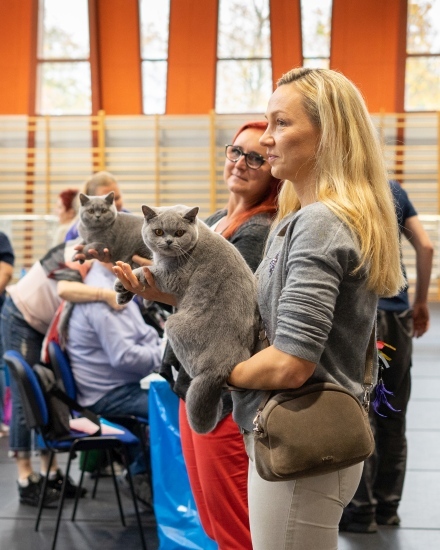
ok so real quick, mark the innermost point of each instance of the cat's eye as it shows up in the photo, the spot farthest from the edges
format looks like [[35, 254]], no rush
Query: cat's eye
[[159, 232], [179, 233]]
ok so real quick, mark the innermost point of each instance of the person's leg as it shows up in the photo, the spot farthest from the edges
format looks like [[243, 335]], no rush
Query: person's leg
[[391, 440], [129, 399], [189, 456], [218, 467], [19, 336], [304, 513]]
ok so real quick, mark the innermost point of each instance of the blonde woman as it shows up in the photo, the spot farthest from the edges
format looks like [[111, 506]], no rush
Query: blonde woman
[[332, 251]]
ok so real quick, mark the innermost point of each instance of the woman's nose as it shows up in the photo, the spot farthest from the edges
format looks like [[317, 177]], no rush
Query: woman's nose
[[266, 139]]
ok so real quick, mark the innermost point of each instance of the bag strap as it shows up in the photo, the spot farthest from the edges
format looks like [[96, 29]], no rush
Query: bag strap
[[74, 405], [367, 383]]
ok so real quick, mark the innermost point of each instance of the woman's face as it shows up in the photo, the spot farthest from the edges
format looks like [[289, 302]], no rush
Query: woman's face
[[291, 140], [63, 215], [252, 185]]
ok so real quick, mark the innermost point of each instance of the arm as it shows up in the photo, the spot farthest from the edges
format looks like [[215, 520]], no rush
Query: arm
[[6, 272], [80, 293], [272, 369], [130, 282], [418, 238], [130, 344]]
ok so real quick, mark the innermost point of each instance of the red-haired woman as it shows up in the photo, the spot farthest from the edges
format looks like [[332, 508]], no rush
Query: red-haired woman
[[66, 209]]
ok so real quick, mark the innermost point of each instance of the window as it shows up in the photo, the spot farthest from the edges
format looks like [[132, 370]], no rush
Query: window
[[63, 58], [422, 75], [316, 17], [244, 69], [155, 16]]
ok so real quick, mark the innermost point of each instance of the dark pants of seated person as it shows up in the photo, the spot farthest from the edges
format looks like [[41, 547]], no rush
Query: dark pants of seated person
[[129, 399], [381, 486]]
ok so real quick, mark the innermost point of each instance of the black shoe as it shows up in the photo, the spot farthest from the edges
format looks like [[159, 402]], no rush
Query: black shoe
[[350, 524], [392, 520], [30, 495], [57, 484]]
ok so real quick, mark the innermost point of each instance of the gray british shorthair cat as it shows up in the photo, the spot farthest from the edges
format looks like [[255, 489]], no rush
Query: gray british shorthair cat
[[102, 226], [216, 323]]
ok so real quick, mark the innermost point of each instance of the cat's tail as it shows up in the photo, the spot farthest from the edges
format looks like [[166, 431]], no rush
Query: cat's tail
[[204, 403]]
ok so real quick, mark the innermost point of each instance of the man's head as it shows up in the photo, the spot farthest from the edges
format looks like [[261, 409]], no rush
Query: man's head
[[103, 183]]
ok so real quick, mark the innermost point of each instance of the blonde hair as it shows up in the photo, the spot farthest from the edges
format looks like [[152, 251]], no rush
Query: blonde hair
[[351, 176], [100, 179]]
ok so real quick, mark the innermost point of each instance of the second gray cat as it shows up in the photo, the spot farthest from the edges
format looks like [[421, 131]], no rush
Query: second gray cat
[[102, 226], [216, 322]]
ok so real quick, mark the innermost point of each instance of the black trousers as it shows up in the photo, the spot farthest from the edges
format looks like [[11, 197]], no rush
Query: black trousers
[[381, 485]]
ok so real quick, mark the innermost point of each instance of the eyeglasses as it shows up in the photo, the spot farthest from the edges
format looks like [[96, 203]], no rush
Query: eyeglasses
[[253, 160]]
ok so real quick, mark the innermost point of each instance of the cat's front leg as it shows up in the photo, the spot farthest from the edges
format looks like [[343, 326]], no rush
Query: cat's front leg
[[123, 296], [92, 251]]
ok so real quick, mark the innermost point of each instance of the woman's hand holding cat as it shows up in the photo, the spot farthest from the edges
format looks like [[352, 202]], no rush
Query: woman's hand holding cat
[[149, 292]]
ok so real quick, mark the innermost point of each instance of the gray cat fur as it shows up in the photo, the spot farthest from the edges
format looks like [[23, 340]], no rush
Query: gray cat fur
[[216, 322], [102, 226]]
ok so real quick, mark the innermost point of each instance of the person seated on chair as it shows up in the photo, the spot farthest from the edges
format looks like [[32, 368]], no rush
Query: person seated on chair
[[110, 352], [26, 315]]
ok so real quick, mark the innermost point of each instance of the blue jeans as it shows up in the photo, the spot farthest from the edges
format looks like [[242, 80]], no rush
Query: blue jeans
[[18, 335], [128, 399]]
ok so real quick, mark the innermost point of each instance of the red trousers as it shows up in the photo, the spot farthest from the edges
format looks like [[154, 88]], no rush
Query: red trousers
[[217, 466]]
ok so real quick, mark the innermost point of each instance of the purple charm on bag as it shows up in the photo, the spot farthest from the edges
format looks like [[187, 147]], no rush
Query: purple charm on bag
[[381, 398]]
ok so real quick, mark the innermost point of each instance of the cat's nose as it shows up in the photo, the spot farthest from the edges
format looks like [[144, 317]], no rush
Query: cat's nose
[[169, 241]]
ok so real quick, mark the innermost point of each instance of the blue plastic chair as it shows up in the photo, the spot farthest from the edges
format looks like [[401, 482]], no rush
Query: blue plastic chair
[[37, 416], [60, 363]]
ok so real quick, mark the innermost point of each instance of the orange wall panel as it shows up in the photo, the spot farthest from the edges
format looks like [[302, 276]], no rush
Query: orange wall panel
[[285, 22], [368, 46], [192, 56], [119, 56], [16, 31]]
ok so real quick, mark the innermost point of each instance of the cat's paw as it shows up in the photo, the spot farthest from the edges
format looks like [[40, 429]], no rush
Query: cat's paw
[[124, 297]]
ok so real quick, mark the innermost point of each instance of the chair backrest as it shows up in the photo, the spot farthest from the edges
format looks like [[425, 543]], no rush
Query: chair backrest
[[62, 369], [34, 404]]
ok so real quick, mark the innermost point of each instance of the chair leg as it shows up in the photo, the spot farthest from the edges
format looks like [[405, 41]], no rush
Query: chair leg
[[136, 509], [143, 440], [78, 490], [98, 473], [43, 491], [115, 483], [62, 497]]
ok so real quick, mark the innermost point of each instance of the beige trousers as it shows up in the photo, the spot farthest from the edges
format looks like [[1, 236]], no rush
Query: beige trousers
[[301, 514]]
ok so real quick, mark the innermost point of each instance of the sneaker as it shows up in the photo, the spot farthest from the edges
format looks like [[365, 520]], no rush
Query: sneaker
[[366, 524], [57, 484], [4, 429], [30, 495], [392, 520]]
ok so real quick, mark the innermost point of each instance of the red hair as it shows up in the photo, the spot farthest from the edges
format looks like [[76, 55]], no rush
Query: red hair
[[67, 197], [268, 203]]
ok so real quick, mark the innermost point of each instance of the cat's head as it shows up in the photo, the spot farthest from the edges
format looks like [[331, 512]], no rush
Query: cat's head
[[97, 212], [170, 230]]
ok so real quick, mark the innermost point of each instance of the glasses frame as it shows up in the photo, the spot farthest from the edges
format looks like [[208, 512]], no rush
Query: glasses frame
[[245, 155]]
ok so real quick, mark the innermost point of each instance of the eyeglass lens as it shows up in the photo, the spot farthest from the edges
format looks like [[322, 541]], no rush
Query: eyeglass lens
[[253, 159]]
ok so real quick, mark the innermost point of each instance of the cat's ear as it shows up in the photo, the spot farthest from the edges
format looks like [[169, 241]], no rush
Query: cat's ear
[[109, 197], [149, 213], [83, 199], [191, 214]]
